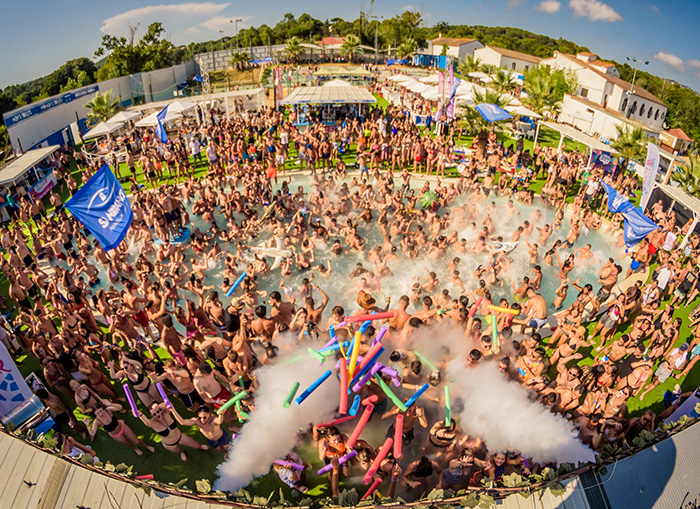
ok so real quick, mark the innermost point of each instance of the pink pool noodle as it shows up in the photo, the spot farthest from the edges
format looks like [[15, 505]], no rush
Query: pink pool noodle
[[342, 460], [295, 466], [365, 318], [360, 426], [372, 488], [146, 477], [161, 391], [381, 454], [371, 400], [130, 398], [343, 403], [336, 422], [398, 436], [368, 356], [472, 311]]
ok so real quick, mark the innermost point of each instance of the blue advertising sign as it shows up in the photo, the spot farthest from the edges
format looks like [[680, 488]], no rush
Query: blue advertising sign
[[102, 207], [40, 107]]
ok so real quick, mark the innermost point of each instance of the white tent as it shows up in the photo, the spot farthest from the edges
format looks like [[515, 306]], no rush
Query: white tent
[[180, 106], [417, 87], [433, 78], [102, 129], [123, 116], [480, 76], [152, 120], [329, 95], [464, 99], [400, 77], [522, 111], [337, 83], [431, 94]]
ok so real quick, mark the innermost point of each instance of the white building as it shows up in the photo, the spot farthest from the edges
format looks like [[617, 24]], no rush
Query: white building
[[599, 83], [506, 59], [456, 48]]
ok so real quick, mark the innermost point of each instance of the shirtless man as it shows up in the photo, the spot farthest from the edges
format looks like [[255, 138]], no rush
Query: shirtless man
[[262, 327], [209, 426], [401, 316], [535, 310], [180, 378], [281, 311], [315, 314]]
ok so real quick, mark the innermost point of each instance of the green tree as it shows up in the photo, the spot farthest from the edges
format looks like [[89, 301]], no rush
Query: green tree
[[630, 144], [407, 48], [503, 82], [294, 49], [102, 107], [350, 47], [490, 96], [71, 71], [73, 83], [240, 60], [546, 88], [469, 64], [688, 178]]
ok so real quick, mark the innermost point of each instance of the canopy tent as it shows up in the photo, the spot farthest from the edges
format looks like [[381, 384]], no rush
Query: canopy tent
[[329, 95], [399, 78], [102, 129], [671, 196], [341, 71], [16, 169], [464, 99], [337, 83], [417, 87], [576, 135], [181, 106], [432, 79], [431, 94], [480, 76], [152, 119], [123, 116], [492, 113], [522, 111]]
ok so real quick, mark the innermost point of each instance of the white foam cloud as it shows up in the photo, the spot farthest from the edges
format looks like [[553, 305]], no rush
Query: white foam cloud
[[594, 10], [548, 6], [671, 60]]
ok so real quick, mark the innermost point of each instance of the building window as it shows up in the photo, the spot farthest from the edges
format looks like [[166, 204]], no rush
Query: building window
[[512, 66], [656, 115], [624, 105], [651, 110], [584, 92], [633, 108], [527, 68], [663, 116], [641, 110]]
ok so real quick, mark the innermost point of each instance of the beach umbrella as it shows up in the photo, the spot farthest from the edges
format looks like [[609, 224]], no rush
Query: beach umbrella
[[428, 200]]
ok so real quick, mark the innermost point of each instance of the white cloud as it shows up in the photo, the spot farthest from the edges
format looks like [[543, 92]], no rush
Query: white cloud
[[655, 9], [224, 23], [514, 4], [594, 10], [409, 7], [674, 62], [548, 6], [693, 63]]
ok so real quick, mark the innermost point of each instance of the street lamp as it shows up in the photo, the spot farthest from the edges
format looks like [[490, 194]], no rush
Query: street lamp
[[235, 22], [376, 33], [634, 77], [222, 39]]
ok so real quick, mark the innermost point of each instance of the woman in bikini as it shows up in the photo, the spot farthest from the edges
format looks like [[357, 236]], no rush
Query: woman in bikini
[[133, 370], [86, 399], [170, 435], [115, 428], [98, 380], [330, 448]]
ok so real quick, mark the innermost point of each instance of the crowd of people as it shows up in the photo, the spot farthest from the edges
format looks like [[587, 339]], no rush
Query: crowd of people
[[155, 320]]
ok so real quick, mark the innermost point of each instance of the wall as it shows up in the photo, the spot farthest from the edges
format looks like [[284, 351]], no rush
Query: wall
[[488, 56], [219, 60], [588, 120], [491, 57], [458, 52], [653, 122]]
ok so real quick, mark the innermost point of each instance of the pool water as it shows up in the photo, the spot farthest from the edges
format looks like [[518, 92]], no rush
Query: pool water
[[343, 291]]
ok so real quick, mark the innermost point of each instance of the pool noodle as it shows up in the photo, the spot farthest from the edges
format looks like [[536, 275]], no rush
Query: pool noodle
[[240, 381], [494, 332], [295, 466], [341, 460], [237, 397], [448, 407], [161, 391], [290, 396], [475, 307], [336, 422], [334, 347], [370, 364], [425, 361], [355, 353], [372, 488], [359, 426], [334, 338], [372, 399], [398, 436], [370, 317], [363, 328], [130, 398], [312, 387], [355, 404], [381, 454], [366, 378], [146, 477], [370, 357], [343, 402], [235, 285], [390, 394], [503, 310], [316, 355], [380, 336], [417, 395]]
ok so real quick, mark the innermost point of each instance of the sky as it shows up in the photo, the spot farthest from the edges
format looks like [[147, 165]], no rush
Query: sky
[[43, 34]]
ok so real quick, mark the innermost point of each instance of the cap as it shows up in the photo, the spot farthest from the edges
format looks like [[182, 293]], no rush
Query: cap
[[684, 347]]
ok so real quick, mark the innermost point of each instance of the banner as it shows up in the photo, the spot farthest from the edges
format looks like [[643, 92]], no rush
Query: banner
[[441, 95], [160, 130], [43, 187], [13, 389], [616, 202], [451, 103], [278, 85], [102, 207], [651, 167]]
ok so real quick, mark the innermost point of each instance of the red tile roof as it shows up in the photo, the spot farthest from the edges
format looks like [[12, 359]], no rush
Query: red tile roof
[[601, 63], [679, 133], [516, 54], [451, 41]]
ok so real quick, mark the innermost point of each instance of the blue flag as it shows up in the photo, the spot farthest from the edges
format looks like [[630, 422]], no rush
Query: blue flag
[[637, 226], [102, 207], [492, 113], [160, 130], [616, 202]]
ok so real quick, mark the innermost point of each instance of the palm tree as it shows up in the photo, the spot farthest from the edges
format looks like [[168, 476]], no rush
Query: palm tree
[[102, 107], [688, 178], [471, 120], [469, 64], [294, 49], [542, 94], [503, 82], [488, 68], [407, 48], [240, 60], [350, 47], [490, 97], [630, 144]]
